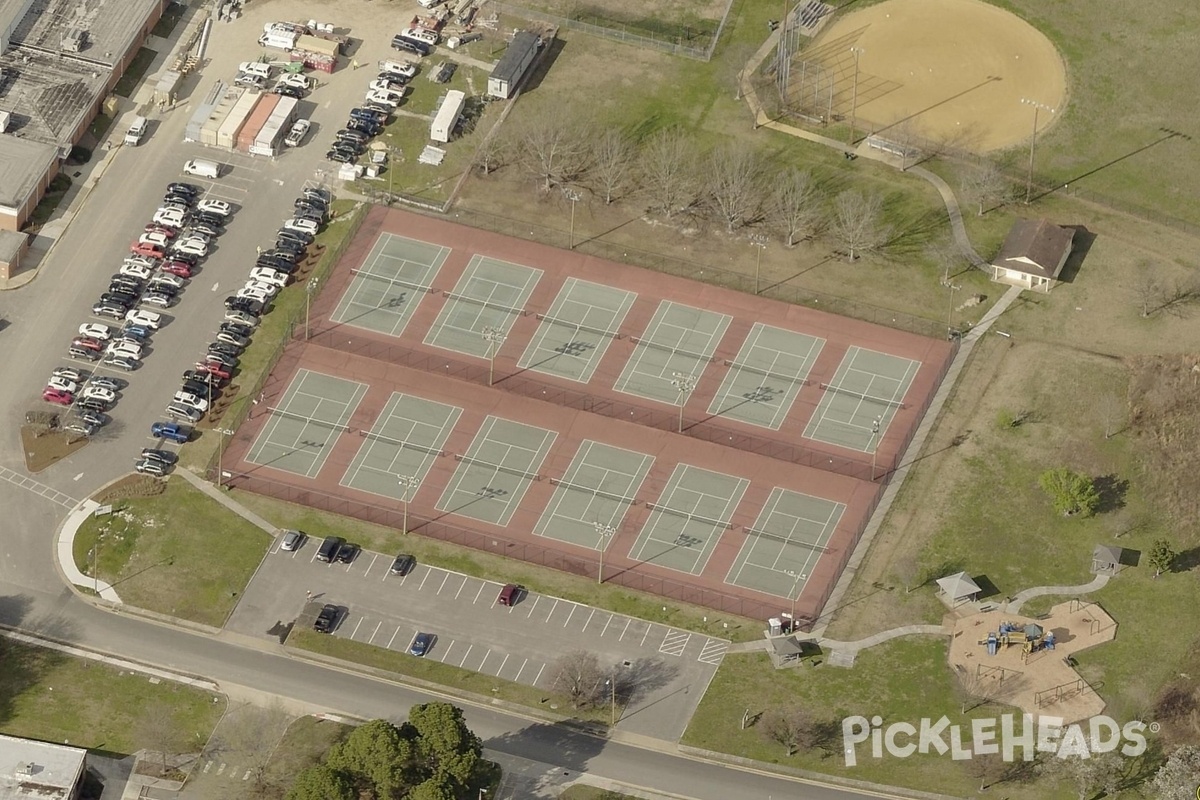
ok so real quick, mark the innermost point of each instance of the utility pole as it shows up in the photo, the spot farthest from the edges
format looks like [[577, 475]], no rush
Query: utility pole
[[857, 51], [612, 688], [407, 483], [221, 434], [309, 291], [760, 243], [495, 338], [952, 288], [574, 196], [1033, 143], [796, 578], [605, 532], [685, 384]]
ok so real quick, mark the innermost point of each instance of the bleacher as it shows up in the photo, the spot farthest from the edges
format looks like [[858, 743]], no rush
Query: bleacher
[[812, 15]]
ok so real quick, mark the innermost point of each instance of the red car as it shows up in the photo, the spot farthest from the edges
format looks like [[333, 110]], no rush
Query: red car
[[177, 268], [213, 368], [87, 343], [58, 397], [144, 249], [165, 230]]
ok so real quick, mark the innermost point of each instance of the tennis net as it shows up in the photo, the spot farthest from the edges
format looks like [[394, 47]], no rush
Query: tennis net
[[786, 539], [591, 490], [520, 312], [337, 426], [864, 397], [379, 437], [666, 349], [716, 523], [393, 280], [766, 373], [579, 326], [520, 473]]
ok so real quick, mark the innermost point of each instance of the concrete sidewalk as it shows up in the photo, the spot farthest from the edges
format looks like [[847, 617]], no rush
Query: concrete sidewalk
[[64, 552], [227, 501]]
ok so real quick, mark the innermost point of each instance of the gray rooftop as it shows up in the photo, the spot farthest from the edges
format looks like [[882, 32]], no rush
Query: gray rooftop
[[47, 96], [111, 26], [512, 63], [32, 769], [23, 162], [11, 243]]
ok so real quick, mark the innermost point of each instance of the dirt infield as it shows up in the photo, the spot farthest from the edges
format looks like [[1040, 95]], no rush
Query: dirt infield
[[953, 71]]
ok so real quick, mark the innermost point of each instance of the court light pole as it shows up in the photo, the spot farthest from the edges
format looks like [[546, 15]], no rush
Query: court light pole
[[685, 384], [796, 578], [574, 196], [1033, 142], [605, 532], [494, 337], [759, 241], [309, 291], [221, 434], [952, 288], [874, 450], [408, 483], [857, 51], [612, 688]]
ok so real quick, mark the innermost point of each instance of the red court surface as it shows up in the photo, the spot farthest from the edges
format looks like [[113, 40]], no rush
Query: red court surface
[[769, 459]]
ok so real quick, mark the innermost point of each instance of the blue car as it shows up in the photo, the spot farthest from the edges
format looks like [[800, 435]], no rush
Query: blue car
[[171, 431], [421, 644], [136, 331]]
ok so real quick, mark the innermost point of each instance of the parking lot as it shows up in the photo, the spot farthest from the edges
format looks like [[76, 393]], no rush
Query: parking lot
[[666, 668]]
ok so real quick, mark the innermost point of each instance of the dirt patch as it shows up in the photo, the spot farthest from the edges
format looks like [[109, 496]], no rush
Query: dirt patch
[[956, 70], [130, 487], [44, 446]]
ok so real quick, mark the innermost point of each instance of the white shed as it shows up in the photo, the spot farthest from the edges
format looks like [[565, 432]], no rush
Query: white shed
[[447, 116]]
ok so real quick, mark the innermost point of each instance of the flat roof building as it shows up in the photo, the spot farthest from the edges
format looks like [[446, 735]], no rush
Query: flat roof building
[[32, 769], [509, 70]]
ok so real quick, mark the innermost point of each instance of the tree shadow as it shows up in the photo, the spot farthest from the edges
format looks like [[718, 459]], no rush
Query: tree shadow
[[645, 676], [1112, 490], [573, 747], [1187, 560], [24, 664]]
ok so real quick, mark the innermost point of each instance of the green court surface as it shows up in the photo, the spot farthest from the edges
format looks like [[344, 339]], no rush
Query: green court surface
[[766, 376], [676, 347], [686, 523], [590, 501], [484, 304], [496, 471], [574, 334], [862, 399], [303, 427], [785, 543], [388, 287], [401, 446]]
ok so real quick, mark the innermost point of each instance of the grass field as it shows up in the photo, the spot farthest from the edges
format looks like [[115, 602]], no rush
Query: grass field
[[51, 696], [180, 553], [319, 524], [581, 792]]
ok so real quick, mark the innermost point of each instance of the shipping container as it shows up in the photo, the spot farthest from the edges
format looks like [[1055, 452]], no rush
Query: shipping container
[[312, 44], [447, 116], [203, 112], [317, 61], [208, 131], [268, 140], [227, 133], [258, 117]]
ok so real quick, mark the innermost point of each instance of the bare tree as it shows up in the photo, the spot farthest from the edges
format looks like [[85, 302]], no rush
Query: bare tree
[[552, 145], [1154, 295], [857, 223], [613, 159], [1178, 778], [495, 149], [734, 184], [989, 769], [974, 689], [1111, 408], [249, 735], [579, 675], [794, 728], [159, 731], [1102, 772], [794, 206], [907, 568], [945, 253], [667, 166], [985, 186]]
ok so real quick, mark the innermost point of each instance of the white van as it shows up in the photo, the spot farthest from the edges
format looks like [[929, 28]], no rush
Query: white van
[[202, 169], [137, 131]]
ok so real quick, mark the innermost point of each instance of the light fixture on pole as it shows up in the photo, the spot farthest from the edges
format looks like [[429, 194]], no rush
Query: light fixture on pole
[[875, 450], [574, 196], [685, 384], [407, 483], [221, 434], [796, 578], [495, 338], [309, 291], [605, 532], [760, 243], [611, 683], [1033, 142], [857, 51], [952, 287], [482, 792]]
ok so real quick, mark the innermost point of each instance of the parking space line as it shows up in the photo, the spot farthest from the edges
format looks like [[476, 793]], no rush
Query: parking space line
[[644, 635], [628, 622], [606, 624], [443, 586], [373, 560], [389, 644], [568, 622], [446, 655], [464, 585], [502, 663], [314, 556], [539, 675], [377, 627], [551, 614], [589, 620], [482, 586], [535, 602], [467, 655], [349, 566], [428, 572], [522, 669], [360, 619], [485, 658]]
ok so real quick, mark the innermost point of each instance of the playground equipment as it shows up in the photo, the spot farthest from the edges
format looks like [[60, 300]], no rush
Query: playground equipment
[[1031, 637]]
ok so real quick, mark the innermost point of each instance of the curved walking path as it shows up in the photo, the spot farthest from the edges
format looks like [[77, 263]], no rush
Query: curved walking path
[[1096, 584], [64, 552]]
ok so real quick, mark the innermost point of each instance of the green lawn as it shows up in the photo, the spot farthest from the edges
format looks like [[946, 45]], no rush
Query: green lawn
[[135, 72], [180, 553], [319, 524], [52, 696], [453, 680], [582, 792]]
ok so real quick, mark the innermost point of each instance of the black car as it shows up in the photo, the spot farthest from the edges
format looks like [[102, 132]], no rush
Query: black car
[[309, 213], [198, 388], [277, 255], [340, 156], [237, 329], [168, 289], [187, 258], [164, 457], [176, 199], [293, 248], [228, 362], [126, 299], [407, 45], [351, 134], [189, 189], [91, 404], [204, 229], [303, 237], [368, 126], [209, 218], [403, 564], [327, 619], [289, 91], [124, 287], [315, 205], [369, 114], [329, 548], [225, 349], [249, 305], [346, 553], [204, 378], [324, 195]]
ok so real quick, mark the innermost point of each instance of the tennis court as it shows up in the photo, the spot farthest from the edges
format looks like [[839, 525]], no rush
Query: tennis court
[[481, 310], [401, 447], [685, 525], [496, 471], [309, 418], [862, 399], [766, 376], [388, 287], [675, 349], [785, 543], [590, 501], [575, 333]]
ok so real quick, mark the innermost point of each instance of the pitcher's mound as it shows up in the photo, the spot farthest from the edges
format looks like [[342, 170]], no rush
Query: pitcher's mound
[[951, 71]]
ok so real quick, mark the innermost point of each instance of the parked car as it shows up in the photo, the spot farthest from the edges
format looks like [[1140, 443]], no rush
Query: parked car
[[57, 396], [409, 46], [121, 297], [147, 319], [180, 187], [386, 98], [110, 310], [161, 456], [213, 368], [288, 91], [137, 270], [218, 207], [62, 384], [147, 466], [402, 69], [291, 541], [171, 431], [225, 337], [82, 355], [340, 155], [87, 343], [296, 135], [139, 333], [241, 317], [193, 245], [421, 644], [324, 195], [121, 361], [124, 347], [177, 268], [386, 84], [293, 79], [237, 329], [166, 231], [69, 374], [143, 249], [329, 548], [101, 393], [189, 399], [271, 276], [350, 135], [159, 299], [204, 229], [106, 382], [510, 593], [303, 225], [249, 81], [166, 279], [209, 218], [347, 553], [327, 619], [180, 411], [92, 404], [93, 419], [403, 564]]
